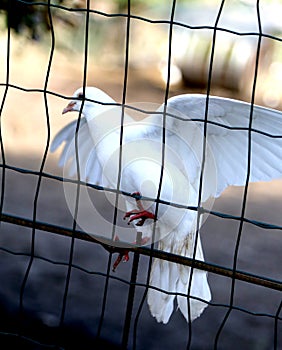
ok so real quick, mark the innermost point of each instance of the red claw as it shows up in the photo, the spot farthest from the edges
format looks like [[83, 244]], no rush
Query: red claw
[[121, 257], [142, 215], [139, 214], [124, 254]]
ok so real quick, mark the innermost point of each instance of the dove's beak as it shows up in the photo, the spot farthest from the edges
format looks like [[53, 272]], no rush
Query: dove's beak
[[69, 107]]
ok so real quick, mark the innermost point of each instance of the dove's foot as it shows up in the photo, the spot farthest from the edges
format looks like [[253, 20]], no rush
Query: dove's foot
[[139, 214], [124, 257], [124, 253]]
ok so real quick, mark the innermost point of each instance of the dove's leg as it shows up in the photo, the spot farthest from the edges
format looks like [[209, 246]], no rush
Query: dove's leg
[[124, 253], [139, 214]]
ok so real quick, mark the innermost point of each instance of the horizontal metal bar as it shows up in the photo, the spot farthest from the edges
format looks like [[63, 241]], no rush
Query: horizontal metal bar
[[261, 224], [107, 244]]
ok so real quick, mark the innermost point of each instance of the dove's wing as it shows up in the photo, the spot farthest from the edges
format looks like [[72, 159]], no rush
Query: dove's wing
[[90, 166], [226, 163], [228, 140]]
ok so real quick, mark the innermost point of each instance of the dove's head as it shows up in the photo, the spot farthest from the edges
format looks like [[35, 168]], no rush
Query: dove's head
[[93, 99]]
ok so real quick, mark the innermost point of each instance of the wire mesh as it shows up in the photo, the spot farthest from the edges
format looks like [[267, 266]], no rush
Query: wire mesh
[[23, 329]]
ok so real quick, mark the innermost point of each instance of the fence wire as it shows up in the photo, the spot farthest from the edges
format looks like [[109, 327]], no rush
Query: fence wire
[[132, 313]]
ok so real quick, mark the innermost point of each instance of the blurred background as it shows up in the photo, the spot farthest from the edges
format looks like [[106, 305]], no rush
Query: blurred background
[[25, 57]]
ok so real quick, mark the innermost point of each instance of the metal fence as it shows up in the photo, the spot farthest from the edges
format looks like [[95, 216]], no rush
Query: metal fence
[[20, 327]]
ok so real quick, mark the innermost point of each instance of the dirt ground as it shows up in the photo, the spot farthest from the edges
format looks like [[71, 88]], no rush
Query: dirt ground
[[23, 122]]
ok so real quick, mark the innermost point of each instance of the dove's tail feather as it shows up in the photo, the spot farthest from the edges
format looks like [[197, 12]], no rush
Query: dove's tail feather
[[174, 278]]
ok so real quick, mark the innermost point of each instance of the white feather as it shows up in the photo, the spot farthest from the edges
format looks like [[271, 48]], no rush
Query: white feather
[[90, 168], [230, 146]]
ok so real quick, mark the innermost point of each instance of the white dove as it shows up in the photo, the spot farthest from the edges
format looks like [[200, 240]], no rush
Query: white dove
[[142, 157]]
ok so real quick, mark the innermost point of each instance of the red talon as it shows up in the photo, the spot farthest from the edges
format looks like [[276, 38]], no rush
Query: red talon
[[139, 213], [142, 215], [122, 256]]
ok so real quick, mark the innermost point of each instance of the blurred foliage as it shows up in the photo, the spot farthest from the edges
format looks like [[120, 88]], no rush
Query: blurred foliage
[[28, 17], [31, 18]]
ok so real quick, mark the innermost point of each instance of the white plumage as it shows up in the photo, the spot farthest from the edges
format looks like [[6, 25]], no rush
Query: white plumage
[[226, 162]]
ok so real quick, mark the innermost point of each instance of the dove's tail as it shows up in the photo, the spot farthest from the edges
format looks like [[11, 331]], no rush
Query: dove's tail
[[174, 278]]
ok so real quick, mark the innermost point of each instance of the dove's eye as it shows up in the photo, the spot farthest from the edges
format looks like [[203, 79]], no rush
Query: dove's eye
[[80, 96]]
